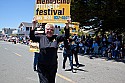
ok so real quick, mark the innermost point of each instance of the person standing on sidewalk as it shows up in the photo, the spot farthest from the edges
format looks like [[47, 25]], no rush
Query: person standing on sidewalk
[[48, 45]]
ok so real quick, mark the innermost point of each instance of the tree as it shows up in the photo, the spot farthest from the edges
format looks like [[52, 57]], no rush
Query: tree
[[110, 11]]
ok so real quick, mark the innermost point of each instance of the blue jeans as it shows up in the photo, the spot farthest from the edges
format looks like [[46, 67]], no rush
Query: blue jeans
[[35, 59], [70, 56], [115, 54]]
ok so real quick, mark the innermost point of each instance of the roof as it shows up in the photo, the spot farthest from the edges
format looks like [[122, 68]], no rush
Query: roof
[[25, 24]]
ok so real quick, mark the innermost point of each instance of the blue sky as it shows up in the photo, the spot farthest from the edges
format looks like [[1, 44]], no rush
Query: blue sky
[[13, 12]]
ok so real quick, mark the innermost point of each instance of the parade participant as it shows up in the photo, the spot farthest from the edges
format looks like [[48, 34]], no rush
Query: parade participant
[[36, 53], [76, 49], [35, 62], [48, 45], [34, 47], [68, 49]]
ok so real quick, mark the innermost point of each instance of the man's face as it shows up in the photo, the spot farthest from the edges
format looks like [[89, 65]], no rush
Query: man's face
[[49, 31]]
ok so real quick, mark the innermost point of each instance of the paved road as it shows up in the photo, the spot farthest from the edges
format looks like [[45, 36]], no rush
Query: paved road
[[16, 67]]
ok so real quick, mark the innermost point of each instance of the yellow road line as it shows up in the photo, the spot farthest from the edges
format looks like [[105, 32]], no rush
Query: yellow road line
[[17, 54], [61, 76], [65, 78]]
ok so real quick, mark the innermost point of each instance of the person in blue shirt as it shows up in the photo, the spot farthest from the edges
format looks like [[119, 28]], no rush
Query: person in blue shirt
[[68, 53], [76, 49], [95, 49]]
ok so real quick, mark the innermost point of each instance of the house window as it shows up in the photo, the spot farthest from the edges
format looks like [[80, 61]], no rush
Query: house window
[[27, 28], [21, 29], [30, 28]]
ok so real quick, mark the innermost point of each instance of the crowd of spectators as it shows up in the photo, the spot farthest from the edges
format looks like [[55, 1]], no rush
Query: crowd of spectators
[[110, 46], [15, 39]]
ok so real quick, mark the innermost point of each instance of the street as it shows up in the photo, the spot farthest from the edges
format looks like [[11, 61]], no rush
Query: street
[[16, 66]]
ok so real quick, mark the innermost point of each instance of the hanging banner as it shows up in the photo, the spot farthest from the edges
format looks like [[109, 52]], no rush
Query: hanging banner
[[52, 11]]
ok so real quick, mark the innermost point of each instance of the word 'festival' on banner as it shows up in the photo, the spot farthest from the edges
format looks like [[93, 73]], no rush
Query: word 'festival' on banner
[[52, 11]]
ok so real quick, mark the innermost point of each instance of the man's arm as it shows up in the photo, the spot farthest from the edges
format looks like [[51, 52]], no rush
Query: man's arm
[[66, 35], [32, 35], [67, 32]]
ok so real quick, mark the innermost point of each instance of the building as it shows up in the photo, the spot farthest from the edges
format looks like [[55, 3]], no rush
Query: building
[[1, 35], [24, 29], [7, 31]]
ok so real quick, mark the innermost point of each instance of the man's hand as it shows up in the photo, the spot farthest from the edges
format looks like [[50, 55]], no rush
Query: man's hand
[[34, 22], [68, 22]]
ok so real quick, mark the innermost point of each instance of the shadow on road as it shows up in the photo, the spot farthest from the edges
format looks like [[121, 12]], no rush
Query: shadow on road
[[80, 65], [77, 68]]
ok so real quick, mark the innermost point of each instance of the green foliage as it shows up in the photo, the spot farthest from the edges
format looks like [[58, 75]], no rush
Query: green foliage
[[80, 34], [62, 31], [110, 11]]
